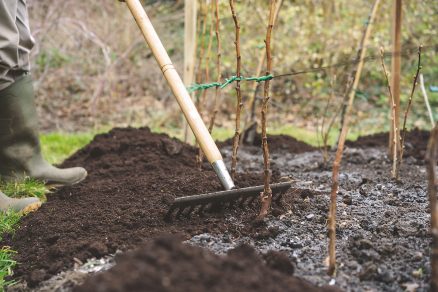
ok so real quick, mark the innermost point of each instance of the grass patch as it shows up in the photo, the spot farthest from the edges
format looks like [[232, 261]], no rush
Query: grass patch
[[8, 222], [29, 188], [58, 146], [6, 265]]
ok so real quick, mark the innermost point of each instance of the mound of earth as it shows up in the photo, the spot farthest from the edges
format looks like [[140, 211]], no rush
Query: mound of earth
[[415, 143], [165, 264], [133, 176], [277, 143]]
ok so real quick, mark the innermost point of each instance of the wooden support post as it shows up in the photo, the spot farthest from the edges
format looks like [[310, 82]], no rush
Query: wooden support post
[[395, 71], [190, 16], [189, 40]]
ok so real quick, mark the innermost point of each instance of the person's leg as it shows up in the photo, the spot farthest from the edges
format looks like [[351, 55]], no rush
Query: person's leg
[[9, 40], [26, 40], [20, 151], [9, 61]]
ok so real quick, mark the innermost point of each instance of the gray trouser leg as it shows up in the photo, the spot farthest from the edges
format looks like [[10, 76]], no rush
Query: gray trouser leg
[[16, 41]]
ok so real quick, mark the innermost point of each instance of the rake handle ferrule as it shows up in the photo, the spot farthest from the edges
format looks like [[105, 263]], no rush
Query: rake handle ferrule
[[223, 174]]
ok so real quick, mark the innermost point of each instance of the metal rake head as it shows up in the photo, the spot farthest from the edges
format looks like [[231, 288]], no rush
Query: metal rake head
[[185, 206]]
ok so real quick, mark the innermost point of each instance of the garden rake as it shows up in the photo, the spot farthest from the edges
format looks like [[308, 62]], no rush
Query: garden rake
[[206, 142]]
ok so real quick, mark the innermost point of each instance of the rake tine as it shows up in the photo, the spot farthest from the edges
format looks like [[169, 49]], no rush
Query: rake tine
[[223, 199], [252, 200], [202, 208], [189, 211], [180, 211], [168, 216], [277, 197]]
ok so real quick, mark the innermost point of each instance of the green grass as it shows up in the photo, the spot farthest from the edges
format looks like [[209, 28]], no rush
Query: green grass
[[307, 136], [8, 222], [58, 146], [6, 265], [28, 188]]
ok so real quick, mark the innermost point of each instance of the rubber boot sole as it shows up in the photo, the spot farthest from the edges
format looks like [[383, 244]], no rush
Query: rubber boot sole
[[31, 208]]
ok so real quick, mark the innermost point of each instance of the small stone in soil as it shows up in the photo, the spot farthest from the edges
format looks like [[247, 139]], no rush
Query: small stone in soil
[[310, 216], [347, 200]]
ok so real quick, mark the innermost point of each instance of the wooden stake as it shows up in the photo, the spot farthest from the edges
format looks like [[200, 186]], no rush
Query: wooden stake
[[239, 103], [266, 196], [337, 163], [431, 161], [189, 40], [396, 69], [218, 66], [190, 16]]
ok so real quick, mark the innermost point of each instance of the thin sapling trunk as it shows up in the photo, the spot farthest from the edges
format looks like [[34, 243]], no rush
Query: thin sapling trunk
[[403, 135], [394, 171], [341, 142], [251, 117], [239, 103], [266, 196]]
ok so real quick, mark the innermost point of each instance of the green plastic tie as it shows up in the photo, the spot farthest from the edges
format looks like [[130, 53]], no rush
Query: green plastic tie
[[196, 87], [204, 86]]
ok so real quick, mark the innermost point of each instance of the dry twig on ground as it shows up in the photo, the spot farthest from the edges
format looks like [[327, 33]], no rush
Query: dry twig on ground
[[266, 196], [341, 142], [239, 103], [431, 161], [394, 171]]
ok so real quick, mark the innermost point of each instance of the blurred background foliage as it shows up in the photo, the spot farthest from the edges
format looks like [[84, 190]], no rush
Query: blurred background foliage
[[92, 69]]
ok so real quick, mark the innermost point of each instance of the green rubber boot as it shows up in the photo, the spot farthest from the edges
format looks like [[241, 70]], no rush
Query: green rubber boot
[[20, 151], [24, 205]]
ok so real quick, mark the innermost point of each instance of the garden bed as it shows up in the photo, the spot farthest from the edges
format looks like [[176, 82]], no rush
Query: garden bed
[[383, 239]]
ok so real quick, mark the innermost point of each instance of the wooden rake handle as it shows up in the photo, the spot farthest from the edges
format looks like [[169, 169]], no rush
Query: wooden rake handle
[[191, 114]]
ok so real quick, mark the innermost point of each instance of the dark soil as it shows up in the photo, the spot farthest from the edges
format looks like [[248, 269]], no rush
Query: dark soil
[[133, 176], [415, 145], [277, 143], [166, 264], [382, 228]]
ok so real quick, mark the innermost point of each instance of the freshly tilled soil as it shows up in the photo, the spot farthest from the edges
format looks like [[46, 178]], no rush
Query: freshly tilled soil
[[133, 176], [165, 264], [382, 225]]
